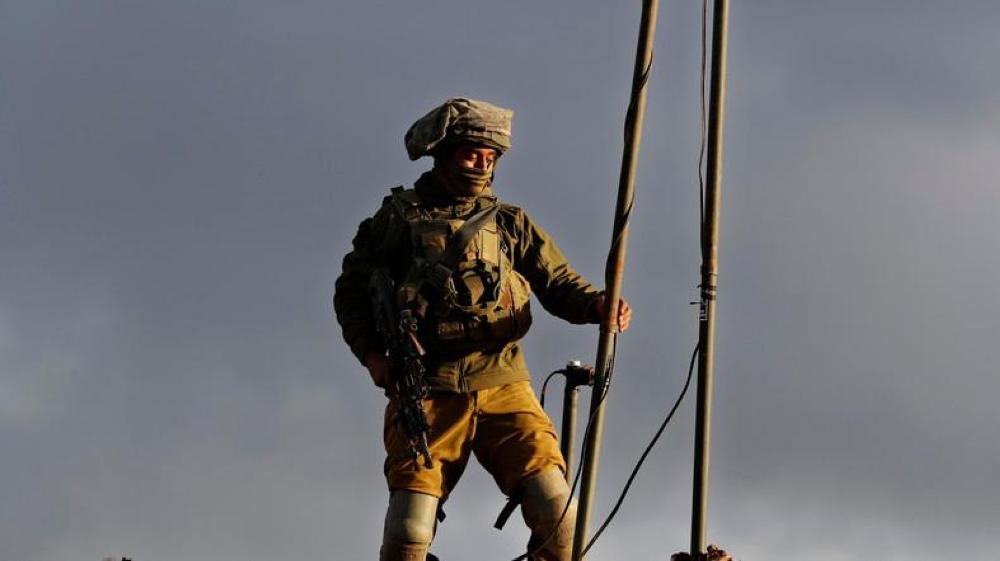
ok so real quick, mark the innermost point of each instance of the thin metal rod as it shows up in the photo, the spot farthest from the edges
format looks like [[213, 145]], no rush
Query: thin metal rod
[[570, 400], [709, 279], [615, 269]]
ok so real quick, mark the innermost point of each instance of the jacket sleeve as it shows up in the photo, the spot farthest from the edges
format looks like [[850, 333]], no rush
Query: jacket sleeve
[[351, 300], [560, 289]]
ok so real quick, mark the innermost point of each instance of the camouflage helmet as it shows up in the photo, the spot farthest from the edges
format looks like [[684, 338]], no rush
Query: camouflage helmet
[[460, 119]]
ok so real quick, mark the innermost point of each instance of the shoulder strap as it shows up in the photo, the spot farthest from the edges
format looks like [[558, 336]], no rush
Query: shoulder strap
[[406, 202], [439, 273], [461, 238]]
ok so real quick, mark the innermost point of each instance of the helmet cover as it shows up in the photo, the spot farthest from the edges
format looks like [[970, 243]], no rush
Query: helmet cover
[[460, 119]]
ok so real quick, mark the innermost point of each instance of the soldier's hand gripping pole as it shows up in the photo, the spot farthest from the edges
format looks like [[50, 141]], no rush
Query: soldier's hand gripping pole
[[399, 332]]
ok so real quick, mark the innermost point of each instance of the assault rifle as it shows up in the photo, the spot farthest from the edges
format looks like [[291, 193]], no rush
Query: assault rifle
[[399, 331]]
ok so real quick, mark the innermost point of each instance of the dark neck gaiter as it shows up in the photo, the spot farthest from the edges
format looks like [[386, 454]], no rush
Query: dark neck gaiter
[[465, 182]]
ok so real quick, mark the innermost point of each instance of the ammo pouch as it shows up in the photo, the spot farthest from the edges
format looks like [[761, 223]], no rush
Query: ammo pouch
[[462, 280]]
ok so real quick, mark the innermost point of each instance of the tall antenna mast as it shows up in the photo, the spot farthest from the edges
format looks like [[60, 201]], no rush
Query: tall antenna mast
[[709, 279], [615, 270]]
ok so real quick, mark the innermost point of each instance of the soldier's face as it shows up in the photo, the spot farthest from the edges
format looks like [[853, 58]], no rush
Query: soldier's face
[[468, 169], [471, 156]]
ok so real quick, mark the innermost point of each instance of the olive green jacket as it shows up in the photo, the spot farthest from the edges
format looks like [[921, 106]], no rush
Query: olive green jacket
[[383, 241]]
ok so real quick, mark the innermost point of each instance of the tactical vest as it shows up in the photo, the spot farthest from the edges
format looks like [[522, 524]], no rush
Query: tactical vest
[[461, 279]]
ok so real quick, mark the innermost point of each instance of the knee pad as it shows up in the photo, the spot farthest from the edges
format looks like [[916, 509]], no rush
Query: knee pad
[[543, 501], [409, 526]]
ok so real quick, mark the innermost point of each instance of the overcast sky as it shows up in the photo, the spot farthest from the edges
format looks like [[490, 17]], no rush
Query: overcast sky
[[180, 180]]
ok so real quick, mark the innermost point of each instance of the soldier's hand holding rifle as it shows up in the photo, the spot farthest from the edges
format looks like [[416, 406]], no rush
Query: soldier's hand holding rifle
[[401, 372], [380, 369]]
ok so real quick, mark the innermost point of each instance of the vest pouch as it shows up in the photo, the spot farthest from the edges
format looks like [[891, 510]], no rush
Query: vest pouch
[[513, 314], [472, 301], [463, 328], [431, 236], [476, 290], [450, 331], [478, 274]]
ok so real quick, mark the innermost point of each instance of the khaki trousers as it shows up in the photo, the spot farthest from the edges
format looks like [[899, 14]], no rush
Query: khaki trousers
[[505, 427]]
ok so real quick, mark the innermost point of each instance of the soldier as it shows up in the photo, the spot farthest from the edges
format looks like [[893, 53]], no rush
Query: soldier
[[471, 305]]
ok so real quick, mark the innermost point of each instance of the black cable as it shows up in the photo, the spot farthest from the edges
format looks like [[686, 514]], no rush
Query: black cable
[[545, 385], [645, 453], [618, 235], [622, 221], [616, 239], [579, 468]]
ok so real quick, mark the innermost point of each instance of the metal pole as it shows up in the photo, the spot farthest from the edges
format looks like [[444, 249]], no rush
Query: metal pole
[[709, 278], [570, 399], [577, 374], [615, 269]]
